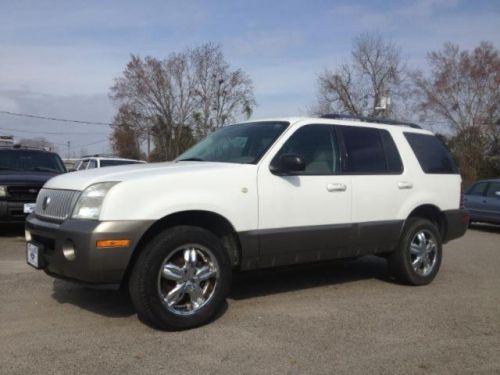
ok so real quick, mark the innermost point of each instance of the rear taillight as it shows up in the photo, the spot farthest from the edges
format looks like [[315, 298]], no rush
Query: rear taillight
[[462, 197]]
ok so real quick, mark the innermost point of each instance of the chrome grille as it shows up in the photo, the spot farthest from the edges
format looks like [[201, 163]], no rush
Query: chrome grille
[[55, 204]]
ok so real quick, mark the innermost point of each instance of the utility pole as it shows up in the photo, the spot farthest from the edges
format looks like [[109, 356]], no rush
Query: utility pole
[[149, 141], [69, 149]]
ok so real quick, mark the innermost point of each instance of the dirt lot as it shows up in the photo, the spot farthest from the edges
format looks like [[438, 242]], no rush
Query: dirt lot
[[335, 318]]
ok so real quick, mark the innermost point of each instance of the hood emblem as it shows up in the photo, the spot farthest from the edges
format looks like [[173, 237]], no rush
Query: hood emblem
[[45, 203], [33, 191]]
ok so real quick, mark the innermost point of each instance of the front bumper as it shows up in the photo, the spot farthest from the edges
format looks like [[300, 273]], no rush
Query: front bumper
[[457, 222], [12, 212], [90, 264]]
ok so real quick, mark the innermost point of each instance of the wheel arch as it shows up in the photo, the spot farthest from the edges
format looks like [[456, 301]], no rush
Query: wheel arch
[[214, 222], [432, 213]]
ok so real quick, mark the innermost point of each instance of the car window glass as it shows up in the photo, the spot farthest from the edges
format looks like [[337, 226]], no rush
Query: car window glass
[[365, 151], [317, 147], [493, 189], [431, 153], [393, 159], [92, 164], [477, 189], [83, 165]]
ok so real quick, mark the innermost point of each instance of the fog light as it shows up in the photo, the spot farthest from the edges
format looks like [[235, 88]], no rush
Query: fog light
[[69, 250], [27, 235]]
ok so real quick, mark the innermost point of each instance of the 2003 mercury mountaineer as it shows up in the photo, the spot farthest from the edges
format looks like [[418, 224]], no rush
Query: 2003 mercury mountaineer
[[251, 195]]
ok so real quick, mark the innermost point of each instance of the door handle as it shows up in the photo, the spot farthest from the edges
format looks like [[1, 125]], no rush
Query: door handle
[[405, 185], [336, 187]]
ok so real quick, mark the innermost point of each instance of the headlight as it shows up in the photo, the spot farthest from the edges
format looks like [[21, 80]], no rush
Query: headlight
[[3, 191], [89, 204]]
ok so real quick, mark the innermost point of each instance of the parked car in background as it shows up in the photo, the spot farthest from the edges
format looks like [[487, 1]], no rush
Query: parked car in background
[[70, 164], [483, 201], [100, 161], [23, 172]]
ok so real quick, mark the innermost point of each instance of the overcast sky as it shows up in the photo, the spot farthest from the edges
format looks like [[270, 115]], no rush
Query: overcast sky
[[59, 58]]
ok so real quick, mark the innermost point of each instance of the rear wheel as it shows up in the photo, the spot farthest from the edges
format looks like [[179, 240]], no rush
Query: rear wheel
[[181, 278], [418, 257]]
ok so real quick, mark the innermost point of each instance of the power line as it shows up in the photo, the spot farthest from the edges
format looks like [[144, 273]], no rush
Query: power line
[[55, 118], [45, 132]]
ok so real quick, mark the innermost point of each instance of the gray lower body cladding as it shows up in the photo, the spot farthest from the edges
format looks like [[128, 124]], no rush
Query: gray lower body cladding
[[91, 264], [284, 246], [259, 248]]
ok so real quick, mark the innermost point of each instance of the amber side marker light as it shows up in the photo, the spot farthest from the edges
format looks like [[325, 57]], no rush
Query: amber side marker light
[[112, 243]]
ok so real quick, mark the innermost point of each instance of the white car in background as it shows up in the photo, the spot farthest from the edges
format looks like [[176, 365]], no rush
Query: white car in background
[[100, 161]]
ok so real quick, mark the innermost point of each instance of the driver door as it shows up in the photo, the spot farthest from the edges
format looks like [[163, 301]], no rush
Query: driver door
[[305, 216]]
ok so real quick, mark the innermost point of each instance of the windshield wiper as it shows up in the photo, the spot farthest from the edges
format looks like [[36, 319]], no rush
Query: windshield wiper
[[44, 169], [192, 159], [10, 169]]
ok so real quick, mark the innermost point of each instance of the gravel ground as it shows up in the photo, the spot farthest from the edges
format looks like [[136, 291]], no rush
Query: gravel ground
[[343, 317]]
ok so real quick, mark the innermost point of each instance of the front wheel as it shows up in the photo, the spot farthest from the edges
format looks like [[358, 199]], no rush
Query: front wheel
[[181, 278], [418, 256]]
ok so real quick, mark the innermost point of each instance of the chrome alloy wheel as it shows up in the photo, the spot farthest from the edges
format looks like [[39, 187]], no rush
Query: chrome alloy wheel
[[187, 279], [423, 252]]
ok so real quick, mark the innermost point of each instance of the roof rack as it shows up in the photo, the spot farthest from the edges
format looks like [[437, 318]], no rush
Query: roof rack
[[339, 116]]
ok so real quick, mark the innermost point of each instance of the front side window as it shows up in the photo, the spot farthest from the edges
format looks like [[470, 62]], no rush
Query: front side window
[[92, 164], [493, 190], [364, 149], [478, 189], [316, 145], [242, 143]]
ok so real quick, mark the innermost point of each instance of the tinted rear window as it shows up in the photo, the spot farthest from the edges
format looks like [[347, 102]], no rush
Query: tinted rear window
[[370, 151], [432, 155]]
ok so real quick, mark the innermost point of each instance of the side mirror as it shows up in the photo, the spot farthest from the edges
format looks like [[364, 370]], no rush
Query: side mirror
[[287, 164]]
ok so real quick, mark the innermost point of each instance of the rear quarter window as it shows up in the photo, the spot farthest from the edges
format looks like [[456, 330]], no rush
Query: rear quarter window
[[431, 153]]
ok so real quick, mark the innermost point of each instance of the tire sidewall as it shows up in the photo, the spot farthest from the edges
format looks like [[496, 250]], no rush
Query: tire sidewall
[[412, 228], [147, 270]]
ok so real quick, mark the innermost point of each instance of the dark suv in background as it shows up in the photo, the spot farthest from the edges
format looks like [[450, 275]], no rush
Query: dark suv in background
[[23, 172]]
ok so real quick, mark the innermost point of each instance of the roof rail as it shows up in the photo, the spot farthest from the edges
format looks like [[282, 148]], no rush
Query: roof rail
[[99, 156], [339, 116]]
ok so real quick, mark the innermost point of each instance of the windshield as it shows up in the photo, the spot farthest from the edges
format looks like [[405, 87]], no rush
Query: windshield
[[110, 163], [242, 143], [23, 160]]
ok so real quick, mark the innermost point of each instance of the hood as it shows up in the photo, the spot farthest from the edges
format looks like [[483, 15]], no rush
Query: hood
[[82, 179], [24, 177]]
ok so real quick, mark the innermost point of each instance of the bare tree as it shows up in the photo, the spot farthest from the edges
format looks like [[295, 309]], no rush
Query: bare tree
[[370, 84], [183, 97], [127, 133], [462, 91]]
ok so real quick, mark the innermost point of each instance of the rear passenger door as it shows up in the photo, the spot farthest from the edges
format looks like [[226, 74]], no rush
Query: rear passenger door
[[379, 186]]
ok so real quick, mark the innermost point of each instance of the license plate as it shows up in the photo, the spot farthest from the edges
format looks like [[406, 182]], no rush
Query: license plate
[[32, 254], [29, 208]]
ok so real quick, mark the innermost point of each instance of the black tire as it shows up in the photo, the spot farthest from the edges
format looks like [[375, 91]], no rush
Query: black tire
[[400, 261], [144, 280]]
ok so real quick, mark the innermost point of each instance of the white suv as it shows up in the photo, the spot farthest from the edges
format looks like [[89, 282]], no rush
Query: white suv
[[252, 195], [98, 161]]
